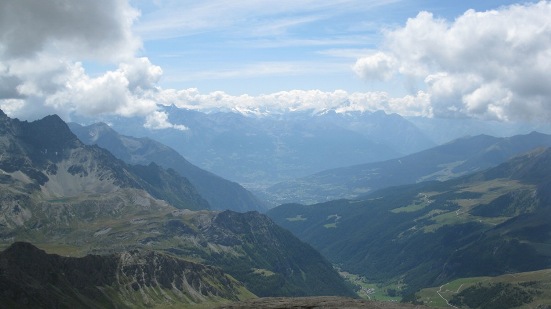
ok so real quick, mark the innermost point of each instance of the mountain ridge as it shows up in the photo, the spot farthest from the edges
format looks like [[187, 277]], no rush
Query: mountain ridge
[[220, 193], [453, 159], [54, 161], [33, 278]]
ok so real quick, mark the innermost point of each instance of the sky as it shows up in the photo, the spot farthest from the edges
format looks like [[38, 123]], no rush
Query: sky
[[488, 60]]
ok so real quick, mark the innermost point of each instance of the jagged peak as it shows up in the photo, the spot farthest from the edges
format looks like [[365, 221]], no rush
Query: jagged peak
[[50, 132]]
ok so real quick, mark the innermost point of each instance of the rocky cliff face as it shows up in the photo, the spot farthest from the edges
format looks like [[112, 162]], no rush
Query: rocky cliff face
[[267, 259], [31, 278]]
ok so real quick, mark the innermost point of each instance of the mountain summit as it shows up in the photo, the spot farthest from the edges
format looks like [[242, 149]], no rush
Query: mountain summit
[[258, 151]]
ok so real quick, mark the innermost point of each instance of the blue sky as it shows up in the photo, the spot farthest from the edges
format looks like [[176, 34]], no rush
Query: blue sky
[[488, 60], [262, 52], [272, 46]]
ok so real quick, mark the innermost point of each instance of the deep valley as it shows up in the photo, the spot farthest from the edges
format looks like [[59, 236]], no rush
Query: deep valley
[[431, 229]]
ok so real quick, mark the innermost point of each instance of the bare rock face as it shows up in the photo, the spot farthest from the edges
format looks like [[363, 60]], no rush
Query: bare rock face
[[147, 270], [323, 302]]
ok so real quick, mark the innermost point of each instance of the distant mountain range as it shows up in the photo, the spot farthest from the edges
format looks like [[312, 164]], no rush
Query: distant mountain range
[[71, 198], [456, 158], [443, 130], [259, 151], [488, 223], [220, 193]]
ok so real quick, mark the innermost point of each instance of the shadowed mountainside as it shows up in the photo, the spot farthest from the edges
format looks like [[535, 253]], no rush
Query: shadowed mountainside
[[30, 278], [220, 193]]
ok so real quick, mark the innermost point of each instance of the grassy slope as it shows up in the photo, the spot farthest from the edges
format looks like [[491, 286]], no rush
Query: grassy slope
[[538, 280]]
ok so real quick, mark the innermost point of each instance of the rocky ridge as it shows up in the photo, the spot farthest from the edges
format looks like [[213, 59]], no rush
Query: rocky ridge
[[32, 278]]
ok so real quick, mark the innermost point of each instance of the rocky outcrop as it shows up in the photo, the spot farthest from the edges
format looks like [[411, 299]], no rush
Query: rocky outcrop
[[30, 278]]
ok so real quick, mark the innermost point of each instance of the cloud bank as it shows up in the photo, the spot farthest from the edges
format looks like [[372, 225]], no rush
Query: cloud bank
[[296, 101]]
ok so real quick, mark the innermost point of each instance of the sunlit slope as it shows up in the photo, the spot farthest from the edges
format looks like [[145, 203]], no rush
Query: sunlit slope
[[514, 290], [489, 223]]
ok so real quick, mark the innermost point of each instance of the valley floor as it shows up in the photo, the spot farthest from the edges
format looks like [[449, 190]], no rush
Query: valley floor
[[322, 302]]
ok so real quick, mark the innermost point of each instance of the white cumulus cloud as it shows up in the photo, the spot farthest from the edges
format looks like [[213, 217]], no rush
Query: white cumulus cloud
[[490, 65], [378, 66], [159, 120], [43, 44]]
